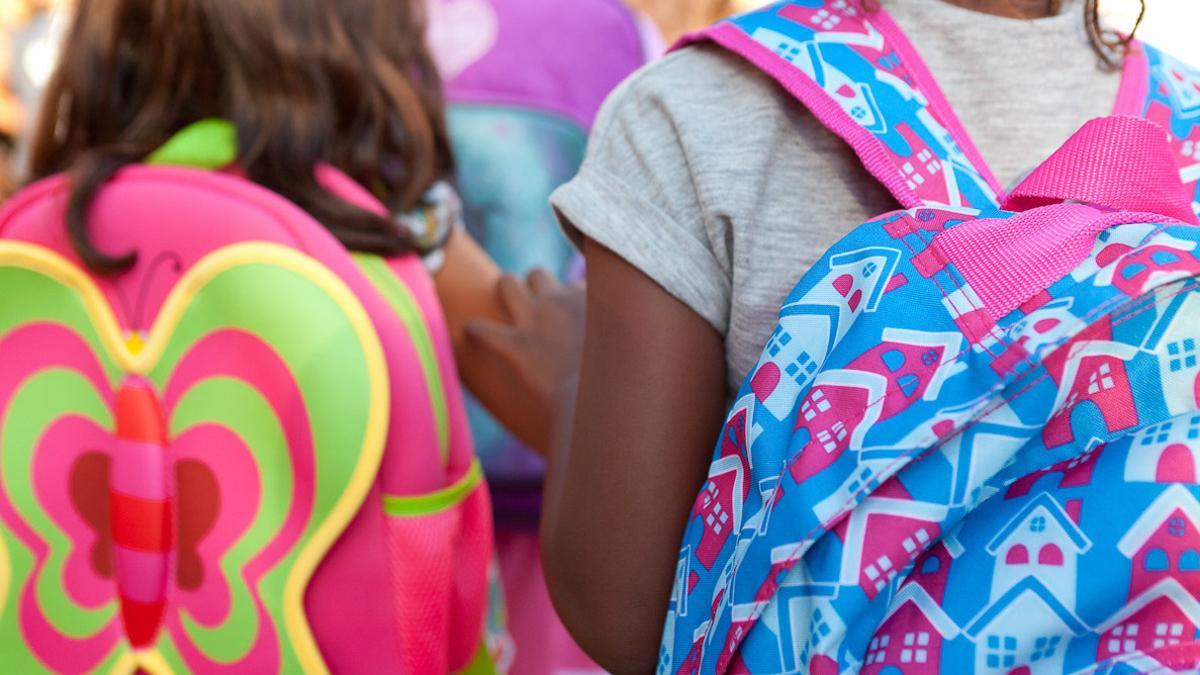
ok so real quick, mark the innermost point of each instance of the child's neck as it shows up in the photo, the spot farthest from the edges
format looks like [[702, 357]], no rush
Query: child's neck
[[1016, 9]]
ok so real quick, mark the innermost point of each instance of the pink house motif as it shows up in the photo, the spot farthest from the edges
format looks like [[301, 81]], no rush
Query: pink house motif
[[1109, 247], [923, 166], [1073, 472], [842, 407], [1164, 542], [831, 414], [719, 506], [882, 536], [929, 221], [1109, 265], [1137, 269], [1168, 452], [1042, 540], [828, 17], [914, 364], [910, 638], [1090, 369], [1161, 616]]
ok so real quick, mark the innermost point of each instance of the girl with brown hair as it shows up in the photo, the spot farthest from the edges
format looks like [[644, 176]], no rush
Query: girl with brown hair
[[300, 83]]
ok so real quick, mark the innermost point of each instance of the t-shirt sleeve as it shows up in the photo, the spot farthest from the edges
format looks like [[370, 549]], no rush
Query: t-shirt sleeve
[[636, 196]]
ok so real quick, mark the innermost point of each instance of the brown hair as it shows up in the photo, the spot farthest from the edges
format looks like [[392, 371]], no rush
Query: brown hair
[[1110, 45], [346, 82]]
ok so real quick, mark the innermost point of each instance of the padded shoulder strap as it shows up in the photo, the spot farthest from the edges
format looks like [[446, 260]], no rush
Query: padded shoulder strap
[[862, 78], [1170, 96]]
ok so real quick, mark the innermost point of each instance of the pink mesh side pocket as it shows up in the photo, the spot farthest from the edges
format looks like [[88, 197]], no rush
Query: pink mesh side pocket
[[423, 556], [472, 559], [440, 547]]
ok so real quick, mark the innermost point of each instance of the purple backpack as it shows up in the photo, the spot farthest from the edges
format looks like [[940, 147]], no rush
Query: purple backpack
[[972, 442], [524, 80]]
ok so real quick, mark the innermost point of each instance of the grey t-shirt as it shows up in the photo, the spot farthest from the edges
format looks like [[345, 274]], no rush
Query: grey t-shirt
[[708, 177]]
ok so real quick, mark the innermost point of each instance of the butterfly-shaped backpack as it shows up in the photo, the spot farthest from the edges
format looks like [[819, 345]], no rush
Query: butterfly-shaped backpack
[[247, 453]]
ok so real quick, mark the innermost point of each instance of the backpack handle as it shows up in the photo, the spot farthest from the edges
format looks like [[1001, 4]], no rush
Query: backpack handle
[[1119, 162], [1009, 261], [1114, 170]]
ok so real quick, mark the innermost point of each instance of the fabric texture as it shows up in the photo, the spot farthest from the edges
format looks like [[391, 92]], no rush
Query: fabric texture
[[685, 151]]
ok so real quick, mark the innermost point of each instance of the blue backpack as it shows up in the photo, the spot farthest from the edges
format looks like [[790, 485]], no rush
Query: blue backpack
[[972, 441]]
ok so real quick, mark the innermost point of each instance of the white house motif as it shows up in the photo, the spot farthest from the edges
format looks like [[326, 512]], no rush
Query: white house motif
[[793, 354], [1040, 541], [863, 480], [810, 328], [1046, 325], [1184, 88], [1027, 626], [760, 522], [979, 453], [803, 609], [1174, 342]]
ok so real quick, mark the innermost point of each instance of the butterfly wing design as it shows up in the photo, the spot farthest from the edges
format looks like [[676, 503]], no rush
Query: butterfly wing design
[[164, 509]]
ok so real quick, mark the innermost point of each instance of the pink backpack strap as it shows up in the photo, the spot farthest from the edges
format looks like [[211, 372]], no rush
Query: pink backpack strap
[[1166, 91], [861, 77]]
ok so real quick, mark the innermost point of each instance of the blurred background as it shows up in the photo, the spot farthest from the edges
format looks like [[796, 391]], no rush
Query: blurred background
[[28, 30]]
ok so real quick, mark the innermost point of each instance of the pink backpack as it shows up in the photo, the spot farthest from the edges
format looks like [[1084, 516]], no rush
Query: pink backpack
[[247, 453]]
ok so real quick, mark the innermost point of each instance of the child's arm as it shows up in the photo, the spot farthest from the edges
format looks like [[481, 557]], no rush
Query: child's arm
[[524, 349], [619, 487], [650, 405], [467, 283]]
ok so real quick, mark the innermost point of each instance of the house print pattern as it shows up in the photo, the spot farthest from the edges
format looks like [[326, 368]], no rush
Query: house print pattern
[[907, 484], [1174, 103]]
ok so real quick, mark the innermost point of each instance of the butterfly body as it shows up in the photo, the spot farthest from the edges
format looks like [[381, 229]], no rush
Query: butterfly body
[[140, 509]]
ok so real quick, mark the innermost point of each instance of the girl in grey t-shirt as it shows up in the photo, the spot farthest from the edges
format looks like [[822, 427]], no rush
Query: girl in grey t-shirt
[[707, 192]]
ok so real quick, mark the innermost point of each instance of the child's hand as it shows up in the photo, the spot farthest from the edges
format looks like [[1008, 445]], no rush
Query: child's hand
[[524, 370]]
